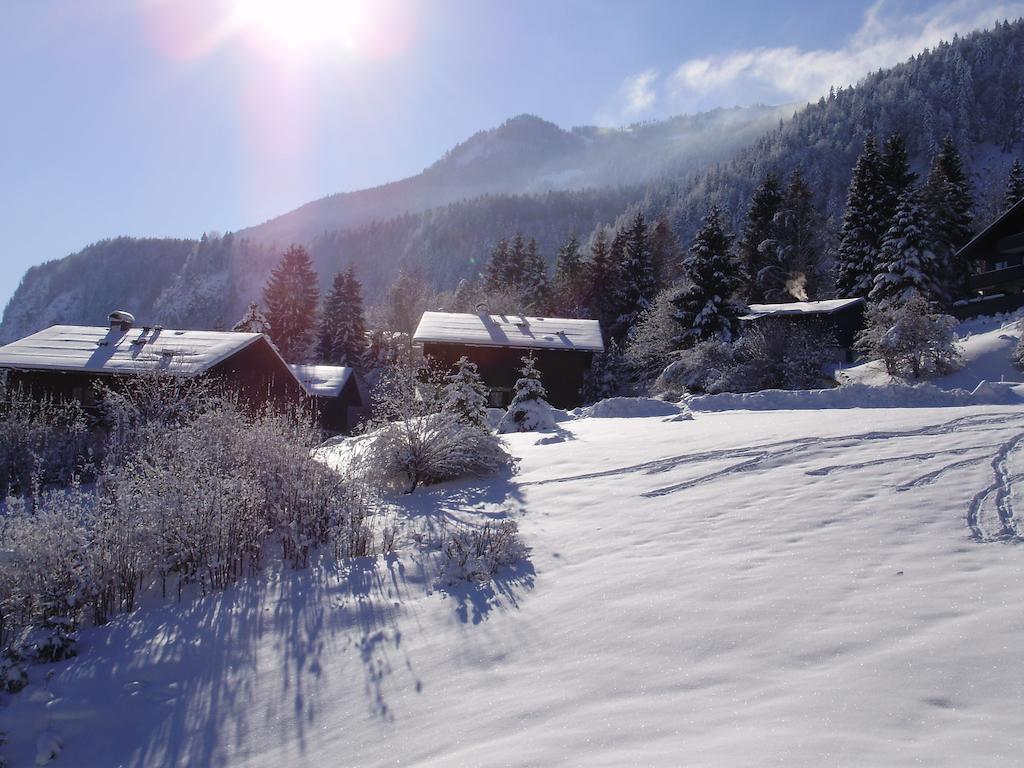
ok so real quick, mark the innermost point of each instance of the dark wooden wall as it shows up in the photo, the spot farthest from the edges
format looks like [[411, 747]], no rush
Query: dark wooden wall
[[562, 372]]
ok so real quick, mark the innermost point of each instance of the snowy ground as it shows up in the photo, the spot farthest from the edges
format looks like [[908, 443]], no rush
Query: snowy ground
[[800, 588]]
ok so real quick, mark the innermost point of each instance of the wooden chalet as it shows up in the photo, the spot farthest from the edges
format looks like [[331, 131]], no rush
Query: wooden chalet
[[843, 319], [340, 397], [997, 258], [66, 361], [563, 349]]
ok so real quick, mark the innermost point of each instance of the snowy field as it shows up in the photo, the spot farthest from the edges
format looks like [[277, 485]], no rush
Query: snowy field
[[800, 588]]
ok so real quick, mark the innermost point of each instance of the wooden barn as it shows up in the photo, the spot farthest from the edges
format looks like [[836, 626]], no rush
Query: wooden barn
[[843, 319], [66, 361], [563, 349], [340, 397], [997, 258]]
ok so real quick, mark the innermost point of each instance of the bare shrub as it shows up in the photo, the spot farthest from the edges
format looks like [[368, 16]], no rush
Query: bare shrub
[[911, 339], [42, 441], [476, 554]]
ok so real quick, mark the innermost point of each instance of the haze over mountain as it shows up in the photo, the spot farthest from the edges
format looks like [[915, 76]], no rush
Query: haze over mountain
[[532, 176]]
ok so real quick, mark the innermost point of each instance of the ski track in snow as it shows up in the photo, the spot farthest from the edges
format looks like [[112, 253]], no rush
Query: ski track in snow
[[998, 524]]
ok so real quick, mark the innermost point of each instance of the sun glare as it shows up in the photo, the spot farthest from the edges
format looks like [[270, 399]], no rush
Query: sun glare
[[305, 24]]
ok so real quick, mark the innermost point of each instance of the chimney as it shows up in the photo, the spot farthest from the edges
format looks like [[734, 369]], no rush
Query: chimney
[[482, 309], [121, 320]]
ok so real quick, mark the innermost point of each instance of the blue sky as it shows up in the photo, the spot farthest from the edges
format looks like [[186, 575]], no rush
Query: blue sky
[[174, 117]]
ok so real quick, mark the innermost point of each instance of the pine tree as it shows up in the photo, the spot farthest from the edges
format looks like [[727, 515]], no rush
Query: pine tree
[[496, 274], [515, 266], [864, 225], [253, 321], [636, 285], [1014, 186], [665, 251], [948, 202], [535, 291], [705, 309], [756, 247], [908, 264], [896, 174], [291, 297], [599, 279], [797, 239], [465, 394], [568, 288], [342, 338]]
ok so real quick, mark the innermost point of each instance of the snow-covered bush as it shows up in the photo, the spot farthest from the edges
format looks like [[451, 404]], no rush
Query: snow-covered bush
[[195, 500], [911, 339], [772, 354], [42, 441], [528, 411], [652, 343], [476, 554], [423, 435]]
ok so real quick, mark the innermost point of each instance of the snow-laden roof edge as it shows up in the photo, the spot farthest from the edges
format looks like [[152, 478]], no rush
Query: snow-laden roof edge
[[111, 351], [510, 331], [321, 380], [825, 307]]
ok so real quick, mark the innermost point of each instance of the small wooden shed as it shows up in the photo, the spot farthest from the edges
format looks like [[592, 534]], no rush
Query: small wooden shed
[[562, 347], [843, 319], [340, 397], [66, 361]]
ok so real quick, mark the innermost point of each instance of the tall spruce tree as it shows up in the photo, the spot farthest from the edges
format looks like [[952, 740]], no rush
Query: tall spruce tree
[[636, 284], [665, 251], [342, 338], [291, 297], [756, 247], [864, 225], [568, 289], [896, 174], [534, 287], [949, 203], [496, 274], [599, 279], [705, 309], [798, 240], [908, 266], [1014, 186]]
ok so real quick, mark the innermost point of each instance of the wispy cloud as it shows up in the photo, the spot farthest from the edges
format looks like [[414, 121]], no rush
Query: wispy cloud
[[885, 37], [636, 96]]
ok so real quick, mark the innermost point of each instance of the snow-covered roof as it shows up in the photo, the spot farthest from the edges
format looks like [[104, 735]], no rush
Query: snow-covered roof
[[826, 307], [322, 380], [111, 350], [510, 331]]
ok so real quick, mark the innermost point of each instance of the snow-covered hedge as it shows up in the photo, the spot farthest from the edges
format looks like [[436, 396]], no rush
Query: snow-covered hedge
[[430, 428], [190, 500], [41, 442]]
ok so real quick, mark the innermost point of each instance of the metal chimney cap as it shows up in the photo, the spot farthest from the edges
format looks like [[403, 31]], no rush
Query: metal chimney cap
[[120, 317]]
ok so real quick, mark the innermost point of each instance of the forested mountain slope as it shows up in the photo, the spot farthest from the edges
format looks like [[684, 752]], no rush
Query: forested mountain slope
[[444, 221]]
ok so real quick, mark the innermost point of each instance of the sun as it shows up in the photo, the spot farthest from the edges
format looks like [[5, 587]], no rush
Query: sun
[[305, 24]]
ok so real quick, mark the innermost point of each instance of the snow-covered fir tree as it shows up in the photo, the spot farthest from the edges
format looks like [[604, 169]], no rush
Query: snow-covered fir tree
[[534, 282], [291, 297], [896, 174], [949, 202], [637, 283], [465, 394], [496, 274], [756, 249], [908, 265], [599, 279], [568, 287], [797, 241], [665, 252], [706, 309], [253, 321], [342, 337], [528, 410], [1014, 186], [864, 225]]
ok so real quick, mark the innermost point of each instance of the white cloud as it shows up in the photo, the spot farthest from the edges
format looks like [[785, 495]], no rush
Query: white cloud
[[885, 37]]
